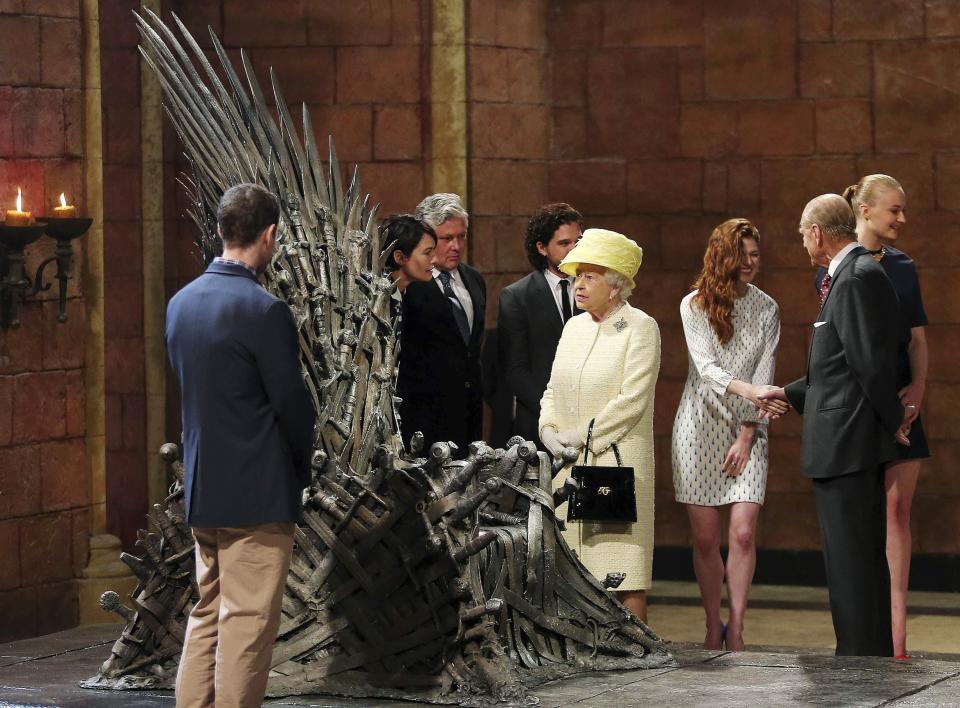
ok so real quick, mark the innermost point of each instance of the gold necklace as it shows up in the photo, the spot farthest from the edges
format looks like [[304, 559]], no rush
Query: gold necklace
[[878, 255]]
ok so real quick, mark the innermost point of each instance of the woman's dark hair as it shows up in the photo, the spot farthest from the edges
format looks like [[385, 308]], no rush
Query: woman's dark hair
[[543, 225], [245, 210], [402, 232]]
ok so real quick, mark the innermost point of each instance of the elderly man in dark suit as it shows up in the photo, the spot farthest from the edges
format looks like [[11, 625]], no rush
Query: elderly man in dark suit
[[248, 426], [851, 417], [533, 312], [439, 379]]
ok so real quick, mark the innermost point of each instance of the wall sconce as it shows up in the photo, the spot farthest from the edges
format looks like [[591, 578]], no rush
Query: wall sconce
[[16, 233]]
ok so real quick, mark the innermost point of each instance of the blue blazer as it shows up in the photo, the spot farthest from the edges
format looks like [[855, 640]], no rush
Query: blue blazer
[[248, 417]]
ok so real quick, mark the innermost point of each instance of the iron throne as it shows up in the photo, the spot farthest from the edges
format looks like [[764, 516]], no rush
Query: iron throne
[[414, 575]]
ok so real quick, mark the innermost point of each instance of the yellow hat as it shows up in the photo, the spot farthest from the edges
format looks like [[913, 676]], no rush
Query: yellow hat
[[604, 248]]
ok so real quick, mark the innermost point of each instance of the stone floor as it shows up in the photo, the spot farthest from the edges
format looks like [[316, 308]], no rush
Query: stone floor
[[44, 671]]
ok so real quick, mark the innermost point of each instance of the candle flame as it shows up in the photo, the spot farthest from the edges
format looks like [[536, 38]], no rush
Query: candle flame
[[19, 200], [63, 200]]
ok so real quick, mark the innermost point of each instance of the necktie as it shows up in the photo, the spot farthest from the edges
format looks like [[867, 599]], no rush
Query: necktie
[[458, 313], [565, 299], [825, 288]]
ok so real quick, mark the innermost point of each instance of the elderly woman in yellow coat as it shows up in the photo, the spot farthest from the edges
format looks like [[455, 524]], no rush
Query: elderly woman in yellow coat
[[606, 370]]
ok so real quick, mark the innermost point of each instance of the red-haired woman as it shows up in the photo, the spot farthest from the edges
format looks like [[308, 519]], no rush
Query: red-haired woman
[[719, 440]]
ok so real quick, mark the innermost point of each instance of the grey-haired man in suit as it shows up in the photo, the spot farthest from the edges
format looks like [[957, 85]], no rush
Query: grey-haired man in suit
[[533, 312], [851, 416]]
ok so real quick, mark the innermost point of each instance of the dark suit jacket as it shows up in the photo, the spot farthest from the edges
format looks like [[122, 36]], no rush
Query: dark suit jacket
[[529, 328], [848, 398], [248, 418], [439, 376]]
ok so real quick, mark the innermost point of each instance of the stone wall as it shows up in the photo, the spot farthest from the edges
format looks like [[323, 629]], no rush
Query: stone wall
[[44, 475], [669, 117]]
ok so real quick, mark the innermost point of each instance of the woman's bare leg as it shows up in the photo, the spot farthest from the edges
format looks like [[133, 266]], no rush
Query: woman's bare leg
[[635, 601], [708, 567], [741, 561], [901, 481]]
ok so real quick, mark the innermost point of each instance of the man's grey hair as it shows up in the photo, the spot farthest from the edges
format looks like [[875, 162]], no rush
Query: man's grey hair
[[616, 280], [832, 214], [437, 208]]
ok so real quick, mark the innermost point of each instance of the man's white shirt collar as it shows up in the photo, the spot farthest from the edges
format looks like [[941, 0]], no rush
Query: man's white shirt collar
[[838, 259]]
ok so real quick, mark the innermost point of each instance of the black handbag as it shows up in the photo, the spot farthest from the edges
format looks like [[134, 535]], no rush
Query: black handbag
[[603, 493]]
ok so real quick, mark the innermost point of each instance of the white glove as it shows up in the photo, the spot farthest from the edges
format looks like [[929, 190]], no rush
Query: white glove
[[551, 440], [572, 438]]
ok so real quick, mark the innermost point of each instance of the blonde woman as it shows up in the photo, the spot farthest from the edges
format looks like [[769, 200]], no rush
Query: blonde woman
[[879, 203], [606, 371]]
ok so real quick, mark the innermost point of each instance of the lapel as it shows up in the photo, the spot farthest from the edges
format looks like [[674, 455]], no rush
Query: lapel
[[850, 258], [543, 301], [476, 297]]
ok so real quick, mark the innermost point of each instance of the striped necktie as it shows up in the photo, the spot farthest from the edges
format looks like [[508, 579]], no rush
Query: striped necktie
[[459, 314]]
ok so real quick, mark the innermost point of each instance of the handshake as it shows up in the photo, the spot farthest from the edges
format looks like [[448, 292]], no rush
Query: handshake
[[770, 401]]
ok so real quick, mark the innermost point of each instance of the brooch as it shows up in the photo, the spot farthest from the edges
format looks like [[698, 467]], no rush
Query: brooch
[[620, 325]]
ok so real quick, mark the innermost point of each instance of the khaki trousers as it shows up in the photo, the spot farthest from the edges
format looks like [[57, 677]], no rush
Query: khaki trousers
[[231, 631]]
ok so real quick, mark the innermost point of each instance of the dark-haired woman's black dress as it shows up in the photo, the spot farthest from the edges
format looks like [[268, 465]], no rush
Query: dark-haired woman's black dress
[[902, 272]]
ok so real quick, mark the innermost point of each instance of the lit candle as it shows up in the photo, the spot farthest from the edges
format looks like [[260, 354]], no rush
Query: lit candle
[[18, 217], [64, 211]]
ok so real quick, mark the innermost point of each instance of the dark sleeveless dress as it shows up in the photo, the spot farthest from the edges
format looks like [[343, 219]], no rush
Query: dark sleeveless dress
[[902, 272]]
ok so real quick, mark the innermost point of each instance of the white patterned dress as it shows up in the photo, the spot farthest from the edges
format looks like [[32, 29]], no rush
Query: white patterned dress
[[708, 419]]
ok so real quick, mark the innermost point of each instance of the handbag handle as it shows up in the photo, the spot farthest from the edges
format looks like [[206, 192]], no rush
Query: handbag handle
[[586, 448]]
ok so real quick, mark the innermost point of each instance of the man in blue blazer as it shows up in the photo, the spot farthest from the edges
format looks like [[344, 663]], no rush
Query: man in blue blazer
[[851, 416], [248, 428]]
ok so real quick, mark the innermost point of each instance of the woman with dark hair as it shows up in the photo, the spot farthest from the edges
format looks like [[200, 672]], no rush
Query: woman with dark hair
[[411, 243], [879, 203], [719, 439]]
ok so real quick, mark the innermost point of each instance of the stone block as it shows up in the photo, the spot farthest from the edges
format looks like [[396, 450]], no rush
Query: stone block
[[126, 481], [80, 525], [672, 527], [942, 306], [673, 347], [113, 421], [76, 403], [844, 126], [814, 22], [790, 521], [795, 339], [940, 419], [57, 607], [65, 474], [527, 73], [305, 74], [942, 19], [18, 614], [121, 194], [776, 128], [780, 242], [6, 121], [507, 187], [19, 481], [597, 186], [612, 76], [916, 172], [794, 293], [39, 406], [72, 123], [249, 24], [406, 22], [508, 235], [667, 401], [509, 131], [889, 19], [120, 74], [653, 23], [521, 24], [665, 186], [123, 307], [944, 343], [939, 478], [660, 298], [21, 349], [645, 230], [26, 174], [45, 543], [784, 471], [714, 186], [572, 23], [20, 59], [6, 410], [690, 63], [568, 135], [484, 240], [63, 342], [683, 239], [489, 79], [398, 186], [378, 74], [121, 134], [37, 122], [568, 73], [743, 187], [117, 28], [65, 177], [750, 49], [397, 133], [61, 52], [787, 185], [835, 70], [52, 8], [349, 22], [930, 514], [708, 129], [134, 422], [932, 238], [917, 95], [634, 132], [123, 364], [122, 247], [351, 128], [10, 558]]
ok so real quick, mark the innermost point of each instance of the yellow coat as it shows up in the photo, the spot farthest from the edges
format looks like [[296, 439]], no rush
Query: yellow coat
[[608, 372]]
